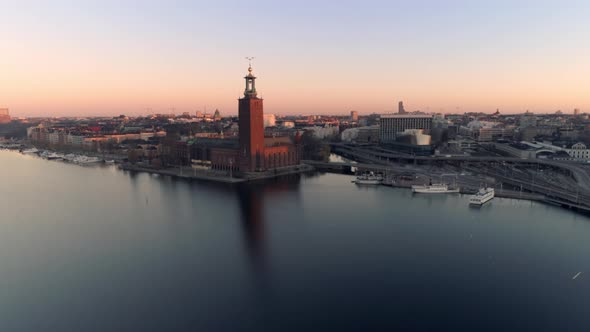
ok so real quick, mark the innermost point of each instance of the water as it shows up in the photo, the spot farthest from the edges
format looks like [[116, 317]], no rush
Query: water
[[98, 249]]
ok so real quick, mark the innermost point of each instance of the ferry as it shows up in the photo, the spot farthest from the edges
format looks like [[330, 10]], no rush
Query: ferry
[[436, 188], [482, 196], [369, 178]]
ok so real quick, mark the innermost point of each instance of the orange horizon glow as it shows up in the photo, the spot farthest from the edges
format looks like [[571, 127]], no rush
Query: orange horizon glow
[[104, 61]]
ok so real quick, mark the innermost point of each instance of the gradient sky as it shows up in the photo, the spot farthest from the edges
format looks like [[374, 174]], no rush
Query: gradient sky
[[312, 57]]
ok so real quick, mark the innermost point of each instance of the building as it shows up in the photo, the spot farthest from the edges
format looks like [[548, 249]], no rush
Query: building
[[490, 134], [391, 125], [531, 150], [4, 115], [250, 113], [414, 137], [288, 124], [354, 116], [517, 150], [253, 152], [323, 131], [361, 135], [528, 119], [217, 115], [400, 108], [270, 120], [579, 151]]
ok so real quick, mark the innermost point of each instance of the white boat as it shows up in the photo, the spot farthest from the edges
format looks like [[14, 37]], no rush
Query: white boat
[[369, 178], [436, 188], [53, 156], [31, 151], [70, 157], [109, 162], [85, 160], [482, 196]]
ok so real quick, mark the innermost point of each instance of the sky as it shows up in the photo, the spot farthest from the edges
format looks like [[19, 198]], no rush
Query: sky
[[66, 58]]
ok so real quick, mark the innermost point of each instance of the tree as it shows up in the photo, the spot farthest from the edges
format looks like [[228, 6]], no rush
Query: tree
[[313, 148]]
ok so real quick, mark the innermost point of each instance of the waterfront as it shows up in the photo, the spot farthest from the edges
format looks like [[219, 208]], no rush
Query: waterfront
[[96, 248]]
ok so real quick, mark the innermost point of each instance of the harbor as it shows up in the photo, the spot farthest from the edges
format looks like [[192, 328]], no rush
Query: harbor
[[419, 179]]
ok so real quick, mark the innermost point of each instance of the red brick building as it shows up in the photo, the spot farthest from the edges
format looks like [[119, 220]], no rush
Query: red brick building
[[255, 152]]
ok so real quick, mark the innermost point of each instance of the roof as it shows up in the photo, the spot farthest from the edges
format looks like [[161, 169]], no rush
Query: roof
[[226, 143], [406, 116]]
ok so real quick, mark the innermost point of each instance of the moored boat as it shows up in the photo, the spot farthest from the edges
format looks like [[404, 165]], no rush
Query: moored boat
[[369, 178], [483, 196], [436, 188], [31, 151]]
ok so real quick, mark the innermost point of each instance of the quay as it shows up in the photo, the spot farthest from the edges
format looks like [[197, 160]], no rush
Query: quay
[[404, 176], [218, 176]]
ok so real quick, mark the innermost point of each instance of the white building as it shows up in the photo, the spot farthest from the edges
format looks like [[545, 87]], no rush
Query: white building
[[269, 120], [416, 136], [288, 124]]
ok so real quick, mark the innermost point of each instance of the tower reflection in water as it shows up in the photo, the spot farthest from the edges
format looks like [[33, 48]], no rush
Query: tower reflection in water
[[252, 198]]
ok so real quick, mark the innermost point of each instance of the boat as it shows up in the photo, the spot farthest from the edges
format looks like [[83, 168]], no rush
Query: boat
[[85, 160], [70, 157], [109, 162], [369, 178], [54, 156], [31, 151], [434, 188], [482, 196]]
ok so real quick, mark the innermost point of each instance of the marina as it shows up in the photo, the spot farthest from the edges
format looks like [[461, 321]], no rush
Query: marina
[[80, 159]]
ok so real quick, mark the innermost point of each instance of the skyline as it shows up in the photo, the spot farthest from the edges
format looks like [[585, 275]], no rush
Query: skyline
[[104, 58]]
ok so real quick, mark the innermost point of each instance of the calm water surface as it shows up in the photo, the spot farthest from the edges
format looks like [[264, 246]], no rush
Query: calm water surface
[[98, 249]]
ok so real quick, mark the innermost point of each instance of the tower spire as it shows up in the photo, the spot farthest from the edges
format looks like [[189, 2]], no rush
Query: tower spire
[[250, 58], [250, 91]]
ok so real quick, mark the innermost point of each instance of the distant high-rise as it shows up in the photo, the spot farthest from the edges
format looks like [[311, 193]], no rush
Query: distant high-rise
[[400, 108], [4, 115], [354, 116], [576, 111]]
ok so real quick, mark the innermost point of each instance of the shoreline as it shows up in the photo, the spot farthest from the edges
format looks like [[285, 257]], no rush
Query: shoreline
[[222, 177], [217, 176]]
